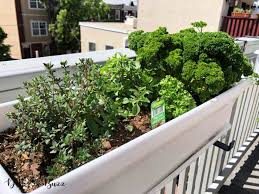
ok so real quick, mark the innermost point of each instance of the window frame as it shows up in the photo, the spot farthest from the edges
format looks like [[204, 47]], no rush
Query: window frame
[[39, 21], [94, 43], [109, 47], [125, 42], [37, 5], [119, 15]]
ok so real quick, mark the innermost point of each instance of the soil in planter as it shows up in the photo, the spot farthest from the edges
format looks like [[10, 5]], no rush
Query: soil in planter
[[28, 169], [24, 168]]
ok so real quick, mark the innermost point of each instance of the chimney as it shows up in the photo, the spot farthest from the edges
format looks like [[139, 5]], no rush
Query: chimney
[[132, 21]]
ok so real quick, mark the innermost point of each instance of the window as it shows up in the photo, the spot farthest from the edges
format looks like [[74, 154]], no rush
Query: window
[[36, 4], [92, 46], [107, 47], [117, 14], [39, 28], [126, 43]]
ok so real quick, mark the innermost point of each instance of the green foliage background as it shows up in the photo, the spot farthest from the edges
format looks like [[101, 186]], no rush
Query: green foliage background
[[65, 16], [4, 49]]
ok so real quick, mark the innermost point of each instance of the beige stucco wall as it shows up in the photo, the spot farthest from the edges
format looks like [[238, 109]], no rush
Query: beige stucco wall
[[8, 22], [178, 14], [101, 38]]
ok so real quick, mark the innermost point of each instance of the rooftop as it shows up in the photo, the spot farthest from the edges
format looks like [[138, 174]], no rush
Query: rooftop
[[110, 26]]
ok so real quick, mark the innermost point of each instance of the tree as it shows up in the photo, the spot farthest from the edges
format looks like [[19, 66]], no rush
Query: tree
[[65, 16], [4, 49]]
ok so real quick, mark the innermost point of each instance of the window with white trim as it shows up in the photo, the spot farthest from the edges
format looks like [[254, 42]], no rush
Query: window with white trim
[[108, 47], [117, 14], [39, 28], [36, 4], [92, 46]]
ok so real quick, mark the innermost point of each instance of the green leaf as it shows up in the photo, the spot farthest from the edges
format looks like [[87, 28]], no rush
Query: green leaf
[[129, 128], [125, 101], [53, 152], [135, 110]]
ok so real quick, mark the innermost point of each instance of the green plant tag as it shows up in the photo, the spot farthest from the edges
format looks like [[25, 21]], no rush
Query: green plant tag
[[157, 113]]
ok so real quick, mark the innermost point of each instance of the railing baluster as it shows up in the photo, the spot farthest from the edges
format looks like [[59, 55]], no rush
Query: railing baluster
[[200, 172], [257, 27], [254, 122], [206, 170], [247, 115], [236, 28], [213, 165], [250, 27], [254, 27], [169, 188], [243, 120], [250, 113], [183, 181], [232, 30], [175, 186], [238, 126], [241, 27], [245, 28], [192, 177], [218, 161], [230, 135], [235, 128], [229, 23]]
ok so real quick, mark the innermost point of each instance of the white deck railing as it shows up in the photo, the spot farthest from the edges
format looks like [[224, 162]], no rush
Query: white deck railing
[[207, 170]]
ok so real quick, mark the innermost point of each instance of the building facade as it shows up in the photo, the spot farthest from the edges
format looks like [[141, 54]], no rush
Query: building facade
[[9, 23], [119, 9], [26, 24], [113, 34], [104, 35], [177, 15]]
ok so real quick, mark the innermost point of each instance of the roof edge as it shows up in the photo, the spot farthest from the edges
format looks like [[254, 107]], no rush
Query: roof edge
[[88, 24]]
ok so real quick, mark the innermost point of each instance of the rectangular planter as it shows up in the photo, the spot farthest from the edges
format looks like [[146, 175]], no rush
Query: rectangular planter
[[139, 165]]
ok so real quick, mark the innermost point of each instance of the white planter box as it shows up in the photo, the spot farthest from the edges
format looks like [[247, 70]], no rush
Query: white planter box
[[139, 165]]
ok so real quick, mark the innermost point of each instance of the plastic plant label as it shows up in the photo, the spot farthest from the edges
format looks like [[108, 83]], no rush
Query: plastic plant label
[[157, 113]]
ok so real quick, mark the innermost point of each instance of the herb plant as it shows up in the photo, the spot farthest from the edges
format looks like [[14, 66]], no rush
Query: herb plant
[[64, 118], [177, 99], [124, 81], [206, 62], [68, 117]]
